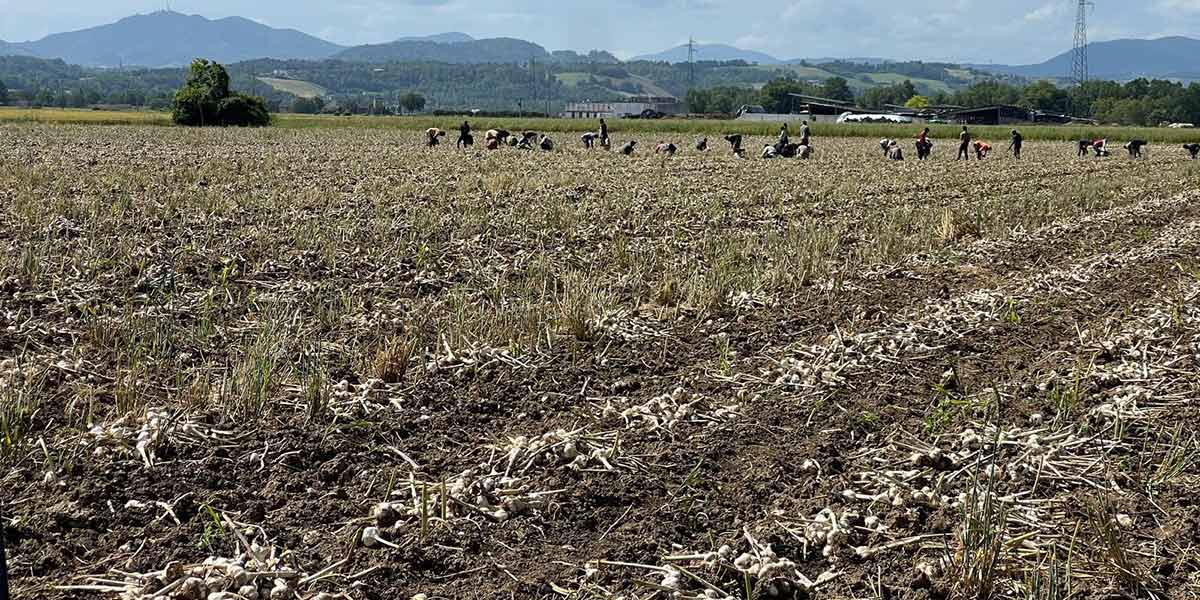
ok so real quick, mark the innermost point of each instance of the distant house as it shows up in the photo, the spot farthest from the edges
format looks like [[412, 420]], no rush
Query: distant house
[[629, 107]]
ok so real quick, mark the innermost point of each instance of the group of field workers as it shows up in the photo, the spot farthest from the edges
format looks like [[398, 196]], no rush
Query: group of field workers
[[967, 145], [784, 146], [494, 138], [528, 140]]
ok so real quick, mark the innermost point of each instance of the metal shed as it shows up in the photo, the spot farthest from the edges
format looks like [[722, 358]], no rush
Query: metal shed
[[991, 115]]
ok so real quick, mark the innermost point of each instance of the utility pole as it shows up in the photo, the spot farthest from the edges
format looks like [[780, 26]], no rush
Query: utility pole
[[1079, 56], [691, 63], [533, 80]]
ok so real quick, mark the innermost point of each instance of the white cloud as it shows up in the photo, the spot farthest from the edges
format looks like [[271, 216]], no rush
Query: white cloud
[[1049, 10], [1177, 6]]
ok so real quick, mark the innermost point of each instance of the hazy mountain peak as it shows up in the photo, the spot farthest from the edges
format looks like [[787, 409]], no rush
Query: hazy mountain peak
[[165, 38], [1169, 57]]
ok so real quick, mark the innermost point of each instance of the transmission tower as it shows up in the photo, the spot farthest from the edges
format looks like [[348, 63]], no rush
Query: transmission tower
[[1079, 57], [691, 63]]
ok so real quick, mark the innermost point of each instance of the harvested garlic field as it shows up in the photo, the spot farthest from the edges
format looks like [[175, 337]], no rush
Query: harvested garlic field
[[240, 365]]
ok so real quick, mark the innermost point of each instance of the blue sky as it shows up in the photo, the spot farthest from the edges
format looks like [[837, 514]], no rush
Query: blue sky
[[1002, 31]]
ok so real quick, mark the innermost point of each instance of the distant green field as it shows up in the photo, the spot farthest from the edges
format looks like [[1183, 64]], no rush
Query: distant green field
[[803, 72], [931, 85], [572, 79], [649, 87], [301, 89], [83, 116], [621, 128]]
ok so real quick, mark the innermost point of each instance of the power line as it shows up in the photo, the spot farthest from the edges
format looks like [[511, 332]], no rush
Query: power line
[[1079, 56]]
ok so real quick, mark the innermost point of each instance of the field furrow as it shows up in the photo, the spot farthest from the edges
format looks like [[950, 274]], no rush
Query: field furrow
[[337, 364]]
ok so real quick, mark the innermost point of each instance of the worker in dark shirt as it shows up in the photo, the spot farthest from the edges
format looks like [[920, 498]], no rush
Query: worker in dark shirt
[[964, 145], [735, 142], [783, 136], [1135, 148], [1084, 147], [604, 142], [1015, 144], [464, 136]]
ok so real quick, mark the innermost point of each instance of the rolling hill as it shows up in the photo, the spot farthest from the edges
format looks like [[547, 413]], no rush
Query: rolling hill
[[498, 50], [452, 37], [7, 49], [710, 52], [166, 38], [486, 51], [1170, 57]]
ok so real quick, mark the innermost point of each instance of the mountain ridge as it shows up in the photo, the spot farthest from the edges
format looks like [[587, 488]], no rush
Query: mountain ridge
[[171, 39], [481, 51], [167, 38], [1166, 57]]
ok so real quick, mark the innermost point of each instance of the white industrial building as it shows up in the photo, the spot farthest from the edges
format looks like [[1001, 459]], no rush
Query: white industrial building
[[633, 106]]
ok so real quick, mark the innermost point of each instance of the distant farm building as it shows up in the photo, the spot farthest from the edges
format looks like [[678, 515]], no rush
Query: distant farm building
[[990, 115], [1009, 115], [809, 108], [823, 110], [630, 107], [815, 109]]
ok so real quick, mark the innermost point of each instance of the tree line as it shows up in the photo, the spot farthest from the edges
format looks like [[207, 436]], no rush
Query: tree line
[[707, 86], [1141, 102]]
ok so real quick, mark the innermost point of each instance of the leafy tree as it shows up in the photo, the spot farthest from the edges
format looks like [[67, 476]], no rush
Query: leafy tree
[[3, 93], [918, 102], [205, 99], [777, 94], [899, 93], [240, 110], [721, 99], [698, 101], [412, 102], [837, 88], [308, 106], [43, 97], [987, 93], [1044, 95]]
